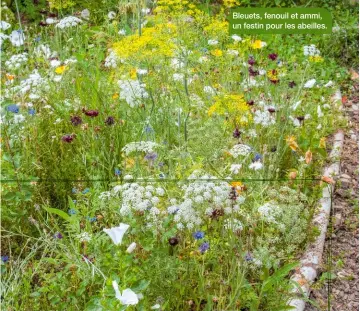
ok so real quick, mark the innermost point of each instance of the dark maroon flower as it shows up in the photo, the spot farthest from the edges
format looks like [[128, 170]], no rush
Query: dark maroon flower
[[174, 241], [76, 120], [217, 213], [274, 81], [292, 84], [52, 15], [250, 102], [271, 109], [251, 61], [236, 133], [43, 24], [301, 119], [110, 121], [233, 194], [273, 56], [67, 138], [91, 113], [252, 72]]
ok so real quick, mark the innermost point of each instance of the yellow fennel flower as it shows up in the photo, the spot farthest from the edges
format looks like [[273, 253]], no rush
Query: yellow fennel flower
[[60, 70], [258, 44], [217, 53]]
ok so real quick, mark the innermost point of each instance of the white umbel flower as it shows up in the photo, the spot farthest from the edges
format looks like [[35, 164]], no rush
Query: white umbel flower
[[240, 150], [68, 22]]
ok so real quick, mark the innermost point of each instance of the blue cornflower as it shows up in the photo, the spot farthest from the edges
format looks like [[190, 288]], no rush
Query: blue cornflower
[[71, 211], [13, 108], [198, 235], [32, 111], [91, 219], [86, 190], [204, 247], [257, 157], [5, 258], [117, 172], [148, 129], [74, 190], [58, 235], [204, 50], [151, 156], [37, 39], [248, 257], [162, 175], [161, 164]]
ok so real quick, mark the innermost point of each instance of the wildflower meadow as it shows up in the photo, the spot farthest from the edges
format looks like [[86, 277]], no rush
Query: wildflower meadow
[[152, 161]]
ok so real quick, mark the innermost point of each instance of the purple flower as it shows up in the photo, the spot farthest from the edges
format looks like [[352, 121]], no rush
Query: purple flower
[[110, 121], [173, 241], [204, 247], [91, 113], [273, 56], [292, 84], [58, 235], [67, 138], [252, 72], [248, 257], [151, 156], [198, 235], [76, 120], [236, 133], [251, 61]]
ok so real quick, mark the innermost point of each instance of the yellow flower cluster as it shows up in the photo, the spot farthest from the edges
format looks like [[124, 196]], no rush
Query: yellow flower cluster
[[155, 40], [316, 59], [230, 3], [217, 28], [234, 106], [174, 7], [272, 75]]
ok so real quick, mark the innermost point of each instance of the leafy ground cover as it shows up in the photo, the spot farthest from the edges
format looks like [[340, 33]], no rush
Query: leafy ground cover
[[155, 162]]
